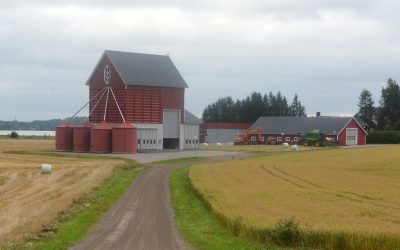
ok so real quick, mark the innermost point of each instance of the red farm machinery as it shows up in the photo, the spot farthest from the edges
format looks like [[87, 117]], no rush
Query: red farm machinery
[[252, 136]]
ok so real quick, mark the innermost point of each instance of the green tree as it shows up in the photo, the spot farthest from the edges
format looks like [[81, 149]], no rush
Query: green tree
[[296, 108], [366, 107], [223, 110], [389, 115], [251, 108]]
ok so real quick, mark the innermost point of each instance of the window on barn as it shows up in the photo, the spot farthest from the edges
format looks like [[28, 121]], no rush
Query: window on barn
[[279, 138], [296, 139], [287, 138], [253, 138]]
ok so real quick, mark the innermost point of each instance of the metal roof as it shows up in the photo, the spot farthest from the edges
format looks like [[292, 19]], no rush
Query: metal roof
[[146, 69], [227, 125], [191, 119], [295, 125]]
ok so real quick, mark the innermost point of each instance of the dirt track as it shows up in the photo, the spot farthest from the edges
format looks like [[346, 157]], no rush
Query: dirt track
[[143, 217]]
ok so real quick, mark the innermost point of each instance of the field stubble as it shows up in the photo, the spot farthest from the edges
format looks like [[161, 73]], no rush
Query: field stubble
[[28, 199], [340, 199]]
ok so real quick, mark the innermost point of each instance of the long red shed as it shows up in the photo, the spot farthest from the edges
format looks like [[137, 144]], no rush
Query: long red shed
[[345, 130]]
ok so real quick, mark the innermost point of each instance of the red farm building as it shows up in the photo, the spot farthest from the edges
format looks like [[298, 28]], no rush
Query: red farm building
[[345, 130], [136, 102], [146, 91]]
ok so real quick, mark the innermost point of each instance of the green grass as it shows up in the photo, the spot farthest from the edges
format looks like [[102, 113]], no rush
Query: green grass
[[198, 226], [180, 160], [60, 154], [29, 137], [73, 225]]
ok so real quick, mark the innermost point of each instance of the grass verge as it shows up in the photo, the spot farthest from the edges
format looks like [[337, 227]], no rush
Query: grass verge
[[180, 160], [73, 225], [198, 226]]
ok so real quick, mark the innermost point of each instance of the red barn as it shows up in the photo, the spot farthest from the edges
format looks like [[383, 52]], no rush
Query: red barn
[[150, 92], [345, 130]]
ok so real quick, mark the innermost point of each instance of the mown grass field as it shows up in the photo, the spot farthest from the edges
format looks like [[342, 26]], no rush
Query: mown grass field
[[334, 199], [29, 200]]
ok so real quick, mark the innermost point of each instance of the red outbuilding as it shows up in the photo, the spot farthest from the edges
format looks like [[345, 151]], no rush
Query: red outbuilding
[[344, 130]]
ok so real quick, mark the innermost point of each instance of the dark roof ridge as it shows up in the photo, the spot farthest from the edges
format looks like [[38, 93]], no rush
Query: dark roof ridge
[[142, 69]]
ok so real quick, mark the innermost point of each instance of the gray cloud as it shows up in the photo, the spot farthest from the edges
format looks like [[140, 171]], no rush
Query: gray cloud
[[326, 51]]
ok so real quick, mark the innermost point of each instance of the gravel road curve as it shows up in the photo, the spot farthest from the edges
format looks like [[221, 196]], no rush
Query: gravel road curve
[[141, 219]]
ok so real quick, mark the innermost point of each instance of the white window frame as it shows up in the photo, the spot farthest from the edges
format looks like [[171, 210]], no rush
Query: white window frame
[[287, 138], [296, 139], [278, 138], [253, 138]]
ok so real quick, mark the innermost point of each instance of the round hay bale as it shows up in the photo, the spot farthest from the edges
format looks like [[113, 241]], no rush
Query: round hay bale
[[294, 148], [46, 168]]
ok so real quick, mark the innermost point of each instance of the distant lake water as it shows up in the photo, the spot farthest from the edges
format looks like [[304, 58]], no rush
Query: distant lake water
[[29, 132]]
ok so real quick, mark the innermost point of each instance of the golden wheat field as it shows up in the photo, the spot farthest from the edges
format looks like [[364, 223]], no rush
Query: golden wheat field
[[29, 199], [337, 190]]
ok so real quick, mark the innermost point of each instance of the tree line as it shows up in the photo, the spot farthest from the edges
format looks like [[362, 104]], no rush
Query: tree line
[[38, 125], [252, 107], [385, 116]]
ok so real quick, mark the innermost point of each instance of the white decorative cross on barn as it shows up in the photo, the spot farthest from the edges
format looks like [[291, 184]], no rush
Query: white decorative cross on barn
[[107, 74]]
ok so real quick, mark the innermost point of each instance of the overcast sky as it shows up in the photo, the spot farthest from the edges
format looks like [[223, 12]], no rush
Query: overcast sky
[[326, 51]]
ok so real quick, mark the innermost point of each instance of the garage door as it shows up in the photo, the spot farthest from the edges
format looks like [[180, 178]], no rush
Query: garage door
[[222, 135], [147, 139], [351, 136], [171, 124]]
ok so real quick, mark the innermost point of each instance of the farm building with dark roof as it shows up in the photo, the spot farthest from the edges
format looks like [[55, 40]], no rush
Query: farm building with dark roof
[[345, 130], [150, 93]]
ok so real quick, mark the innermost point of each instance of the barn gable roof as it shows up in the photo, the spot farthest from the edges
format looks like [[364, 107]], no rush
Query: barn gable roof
[[191, 119], [145, 69], [295, 125]]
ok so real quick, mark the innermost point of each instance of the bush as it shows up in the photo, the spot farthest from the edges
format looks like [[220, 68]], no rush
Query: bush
[[383, 137], [287, 232], [14, 135]]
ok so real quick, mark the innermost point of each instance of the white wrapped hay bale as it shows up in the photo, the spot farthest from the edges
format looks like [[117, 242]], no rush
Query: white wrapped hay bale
[[285, 145], [46, 168], [294, 148]]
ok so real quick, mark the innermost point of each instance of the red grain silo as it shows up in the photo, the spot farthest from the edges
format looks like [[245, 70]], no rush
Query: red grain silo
[[101, 138], [64, 137], [81, 138], [124, 139]]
